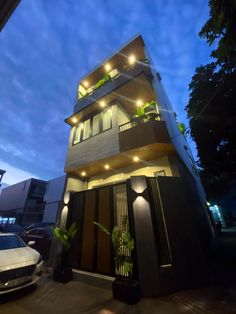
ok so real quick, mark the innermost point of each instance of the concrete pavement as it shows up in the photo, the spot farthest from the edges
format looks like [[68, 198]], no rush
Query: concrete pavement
[[74, 297], [218, 297]]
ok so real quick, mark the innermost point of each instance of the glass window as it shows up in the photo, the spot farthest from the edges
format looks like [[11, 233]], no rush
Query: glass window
[[78, 132], [86, 130], [106, 120], [10, 242], [96, 124]]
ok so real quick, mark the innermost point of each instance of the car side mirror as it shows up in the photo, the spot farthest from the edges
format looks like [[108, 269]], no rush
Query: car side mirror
[[30, 243]]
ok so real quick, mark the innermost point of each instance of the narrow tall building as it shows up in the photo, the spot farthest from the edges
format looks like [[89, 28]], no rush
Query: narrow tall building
[[128, 164]]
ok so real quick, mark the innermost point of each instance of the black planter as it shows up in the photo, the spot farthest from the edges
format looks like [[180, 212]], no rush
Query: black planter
[[62, 274], [126, 290]]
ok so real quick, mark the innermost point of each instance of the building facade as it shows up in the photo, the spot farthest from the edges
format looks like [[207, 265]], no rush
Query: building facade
[[128, 165], [23, 201]]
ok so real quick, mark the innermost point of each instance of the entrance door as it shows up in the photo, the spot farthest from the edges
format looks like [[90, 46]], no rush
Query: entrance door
[[91, 250]]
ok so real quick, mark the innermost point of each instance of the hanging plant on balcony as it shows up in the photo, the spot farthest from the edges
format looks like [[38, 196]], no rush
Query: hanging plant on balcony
[[103, 81], [182, 128], [147, 111]]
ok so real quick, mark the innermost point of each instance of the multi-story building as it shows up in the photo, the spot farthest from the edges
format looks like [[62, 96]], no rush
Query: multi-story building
[[128, 163], [23, 201]]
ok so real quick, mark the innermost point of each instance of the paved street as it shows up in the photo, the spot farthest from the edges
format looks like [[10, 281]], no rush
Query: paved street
[[50, 297], [74, 297]]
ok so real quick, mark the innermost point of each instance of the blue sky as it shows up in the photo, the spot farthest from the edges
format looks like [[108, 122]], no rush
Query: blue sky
[[47, 46]]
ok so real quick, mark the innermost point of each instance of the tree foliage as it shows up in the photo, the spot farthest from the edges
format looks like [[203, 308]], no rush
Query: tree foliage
[[212, 108]]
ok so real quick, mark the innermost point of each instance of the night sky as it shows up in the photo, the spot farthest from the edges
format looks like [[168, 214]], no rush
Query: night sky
[[48, 45]]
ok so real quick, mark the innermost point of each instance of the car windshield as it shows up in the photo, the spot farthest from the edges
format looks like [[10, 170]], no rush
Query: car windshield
[[10, 242]]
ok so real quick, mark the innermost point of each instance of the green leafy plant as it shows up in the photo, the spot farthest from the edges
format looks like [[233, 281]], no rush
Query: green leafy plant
[[147, 111], [123, 245], [64, 236], [182, 128], [103, 81]]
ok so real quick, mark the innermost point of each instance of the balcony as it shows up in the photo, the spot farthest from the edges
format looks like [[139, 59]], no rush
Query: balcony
[[111, 85], [145, 135]]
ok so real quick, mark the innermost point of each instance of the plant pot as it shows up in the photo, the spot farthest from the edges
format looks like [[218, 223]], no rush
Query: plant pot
[[62, 274], [126, 290]]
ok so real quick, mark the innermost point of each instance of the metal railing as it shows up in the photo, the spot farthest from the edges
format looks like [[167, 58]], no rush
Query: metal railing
[[135, 122]]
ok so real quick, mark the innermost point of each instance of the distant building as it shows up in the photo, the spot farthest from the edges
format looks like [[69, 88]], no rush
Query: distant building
[[1, 175], [7, 8], [24, 201], [52, 198]]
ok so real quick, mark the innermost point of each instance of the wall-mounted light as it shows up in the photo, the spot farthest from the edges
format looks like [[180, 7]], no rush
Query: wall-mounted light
[[139, 102], [132, 59], [66, 198], [135, 159], [122, 174], [107, 167], [107, 67], [64, 214], [83, 173], [85, 83]]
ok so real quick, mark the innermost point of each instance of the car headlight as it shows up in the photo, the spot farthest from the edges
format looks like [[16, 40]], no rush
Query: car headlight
[[40, 259]]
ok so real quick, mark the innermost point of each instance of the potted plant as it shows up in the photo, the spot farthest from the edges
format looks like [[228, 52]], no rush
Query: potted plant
[[62, 272], [124, 288]]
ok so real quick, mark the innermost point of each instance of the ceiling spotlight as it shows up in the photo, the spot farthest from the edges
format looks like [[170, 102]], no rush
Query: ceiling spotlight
[[107, 167], [107, 67], [102, 104], [139, 102], [83, 174], [74, 120], [132, 59], [135, 159], [85, 83]]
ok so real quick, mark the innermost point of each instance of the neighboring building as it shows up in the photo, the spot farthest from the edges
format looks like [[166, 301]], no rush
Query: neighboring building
[[52, 199], [7, 8], [128, 162], [23, 201], [1, 176]]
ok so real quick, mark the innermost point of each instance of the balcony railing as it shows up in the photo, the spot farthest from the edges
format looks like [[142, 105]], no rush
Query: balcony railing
[[94, 88], [138, 121]]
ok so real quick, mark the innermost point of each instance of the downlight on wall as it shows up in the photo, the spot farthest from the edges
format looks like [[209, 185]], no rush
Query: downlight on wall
[[83, 173], [135, 159], [107, 167]]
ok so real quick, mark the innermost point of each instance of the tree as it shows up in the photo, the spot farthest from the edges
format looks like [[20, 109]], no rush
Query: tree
[[212, 108]]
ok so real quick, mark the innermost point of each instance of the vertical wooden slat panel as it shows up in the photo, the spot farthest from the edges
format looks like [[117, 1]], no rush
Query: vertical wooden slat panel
[[88, 239], [103, 240], [76, 215]]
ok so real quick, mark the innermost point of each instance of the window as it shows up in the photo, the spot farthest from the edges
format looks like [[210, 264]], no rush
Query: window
[[93, 126], [96, 120], [86, 130], [78, 133], [106, 120]]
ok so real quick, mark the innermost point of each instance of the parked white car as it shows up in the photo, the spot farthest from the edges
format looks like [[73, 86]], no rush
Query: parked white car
[[20, 265]]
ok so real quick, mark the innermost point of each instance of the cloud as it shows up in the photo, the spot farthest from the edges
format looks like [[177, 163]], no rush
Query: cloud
[[13, 174], [48, 46]]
